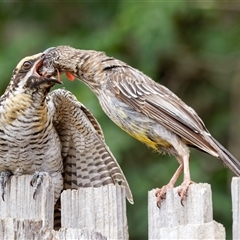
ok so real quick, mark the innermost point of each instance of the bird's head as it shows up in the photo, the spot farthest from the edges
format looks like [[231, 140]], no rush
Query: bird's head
[[58, 60], [27, 78]]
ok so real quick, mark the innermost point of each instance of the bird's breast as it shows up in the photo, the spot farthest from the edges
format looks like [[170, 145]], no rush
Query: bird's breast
[[13, 107], [28, 140], [135, 123]]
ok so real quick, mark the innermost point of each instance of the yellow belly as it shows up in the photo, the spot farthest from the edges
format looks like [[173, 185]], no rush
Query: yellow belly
[[142, 137], [136, 125]]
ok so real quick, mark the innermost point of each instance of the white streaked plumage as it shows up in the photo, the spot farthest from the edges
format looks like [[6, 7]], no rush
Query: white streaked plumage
[[42, 133]]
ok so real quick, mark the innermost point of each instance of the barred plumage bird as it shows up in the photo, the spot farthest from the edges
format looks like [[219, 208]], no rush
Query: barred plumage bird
[[143, 108], [42, 133]]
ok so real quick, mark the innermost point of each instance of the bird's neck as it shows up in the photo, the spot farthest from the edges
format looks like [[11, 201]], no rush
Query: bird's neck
[[89, 66], [17, 102]]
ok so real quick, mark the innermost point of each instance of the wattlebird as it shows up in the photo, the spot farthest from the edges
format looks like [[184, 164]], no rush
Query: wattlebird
[[146, 110], [53, 134]]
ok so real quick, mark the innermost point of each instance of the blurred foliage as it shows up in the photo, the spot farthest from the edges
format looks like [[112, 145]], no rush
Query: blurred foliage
[[192, 48]]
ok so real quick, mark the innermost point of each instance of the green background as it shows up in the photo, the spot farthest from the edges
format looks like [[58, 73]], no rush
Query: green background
[[190, 47]]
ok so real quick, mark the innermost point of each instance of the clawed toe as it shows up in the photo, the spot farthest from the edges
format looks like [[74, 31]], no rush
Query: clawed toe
[[182, 192], [161, 194], [37, 180], [183, 189], [4, 176]]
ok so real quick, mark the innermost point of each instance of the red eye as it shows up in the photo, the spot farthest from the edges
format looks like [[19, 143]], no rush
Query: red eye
[[27, 65]]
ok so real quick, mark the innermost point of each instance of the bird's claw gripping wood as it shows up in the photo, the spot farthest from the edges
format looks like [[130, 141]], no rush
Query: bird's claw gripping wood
[[3, 180], [161, 194], [36, 181], [183, 189]]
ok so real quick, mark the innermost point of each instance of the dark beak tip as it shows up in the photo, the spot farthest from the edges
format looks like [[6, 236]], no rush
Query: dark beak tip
[[48, 50]]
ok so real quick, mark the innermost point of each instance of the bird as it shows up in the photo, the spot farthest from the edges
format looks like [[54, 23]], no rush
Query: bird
[[52, 133], [145, 109]]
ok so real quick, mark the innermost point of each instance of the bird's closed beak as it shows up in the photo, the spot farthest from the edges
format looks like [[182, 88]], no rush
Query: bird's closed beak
[[48, 69], [46, 73]]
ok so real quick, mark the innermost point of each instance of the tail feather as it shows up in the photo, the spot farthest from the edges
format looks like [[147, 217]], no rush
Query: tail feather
[[57, 215], [227, 158]]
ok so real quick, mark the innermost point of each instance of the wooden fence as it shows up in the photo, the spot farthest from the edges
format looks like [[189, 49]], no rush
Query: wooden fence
[[100, 213]]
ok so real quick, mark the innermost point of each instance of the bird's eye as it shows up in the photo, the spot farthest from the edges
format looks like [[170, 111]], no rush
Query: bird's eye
[[27, 65]]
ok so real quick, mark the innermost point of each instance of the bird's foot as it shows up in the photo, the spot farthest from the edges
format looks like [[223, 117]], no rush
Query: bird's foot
[[161, 193], [183, 189], [4, 176], [37, 180]]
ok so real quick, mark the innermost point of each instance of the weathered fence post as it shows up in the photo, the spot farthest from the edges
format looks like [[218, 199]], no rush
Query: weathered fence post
[[22, 217], [235, 187], [19, 203], [194, 220], [100, 209], [77, 234]]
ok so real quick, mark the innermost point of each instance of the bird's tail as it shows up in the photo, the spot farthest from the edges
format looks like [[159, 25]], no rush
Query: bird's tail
[[57, 215], [227, 158]]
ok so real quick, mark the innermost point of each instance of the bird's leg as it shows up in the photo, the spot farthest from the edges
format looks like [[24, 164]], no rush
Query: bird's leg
[[37, 177], [183, 188], [4, 176], [161, 192]]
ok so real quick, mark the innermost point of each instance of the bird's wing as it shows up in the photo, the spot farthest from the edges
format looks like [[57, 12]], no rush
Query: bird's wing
[[87, 159], [159, 103]]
